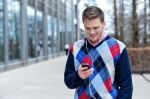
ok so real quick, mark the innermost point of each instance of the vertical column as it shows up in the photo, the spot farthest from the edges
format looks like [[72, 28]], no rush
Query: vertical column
[[36, 34], [24, 44], [78, 23], [45, 29], [72, 21], [66, 34], [52, 22], [58, 26], [6, 34]]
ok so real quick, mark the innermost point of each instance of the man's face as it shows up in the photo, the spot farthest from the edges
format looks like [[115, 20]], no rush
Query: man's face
[[94, 29]]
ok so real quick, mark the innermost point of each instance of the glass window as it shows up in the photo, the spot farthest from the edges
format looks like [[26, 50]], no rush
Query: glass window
[[40, 33], [63, 1], [1, 33], [49, 34], [14, 29], [68, 25], [62, 35], [1, 4], [55, 35], [31, 32]]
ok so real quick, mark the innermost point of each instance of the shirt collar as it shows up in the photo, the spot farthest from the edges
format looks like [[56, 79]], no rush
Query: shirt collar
[[98, 41]]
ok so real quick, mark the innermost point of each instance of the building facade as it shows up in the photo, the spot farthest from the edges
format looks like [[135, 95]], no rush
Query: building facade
[[34, 30]]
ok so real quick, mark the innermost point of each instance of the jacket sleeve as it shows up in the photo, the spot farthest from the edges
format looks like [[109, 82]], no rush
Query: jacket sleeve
[[123, 77], [71, 77]]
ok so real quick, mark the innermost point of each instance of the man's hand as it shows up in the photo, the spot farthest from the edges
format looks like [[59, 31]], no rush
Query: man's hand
[[84, 72]]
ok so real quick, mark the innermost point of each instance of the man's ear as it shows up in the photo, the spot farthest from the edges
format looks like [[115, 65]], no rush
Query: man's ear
[[104, 24]]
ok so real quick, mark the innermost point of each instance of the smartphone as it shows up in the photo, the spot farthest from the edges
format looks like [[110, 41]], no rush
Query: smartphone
[[86, 65]]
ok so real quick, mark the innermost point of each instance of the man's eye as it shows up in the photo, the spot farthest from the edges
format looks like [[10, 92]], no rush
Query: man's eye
[[88, 28], [95, 28]]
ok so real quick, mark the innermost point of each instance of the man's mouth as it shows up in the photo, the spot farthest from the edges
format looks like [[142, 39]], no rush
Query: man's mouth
[[93, 35]]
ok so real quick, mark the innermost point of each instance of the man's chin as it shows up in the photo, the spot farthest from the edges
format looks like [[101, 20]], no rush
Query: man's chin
[[94, 40]]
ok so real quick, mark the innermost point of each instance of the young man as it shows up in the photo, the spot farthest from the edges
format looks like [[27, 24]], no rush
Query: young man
[[98, 66]]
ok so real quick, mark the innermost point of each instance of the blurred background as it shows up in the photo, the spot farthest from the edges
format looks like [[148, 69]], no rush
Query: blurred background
[[34, 31]]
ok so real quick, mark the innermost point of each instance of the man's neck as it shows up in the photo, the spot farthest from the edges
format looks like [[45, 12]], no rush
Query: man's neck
[[94, 43]]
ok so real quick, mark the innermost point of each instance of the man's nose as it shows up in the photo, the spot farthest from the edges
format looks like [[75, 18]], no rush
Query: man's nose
[[92, 31]]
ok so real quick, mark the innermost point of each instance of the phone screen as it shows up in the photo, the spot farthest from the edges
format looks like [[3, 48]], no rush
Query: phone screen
[[85, 65]]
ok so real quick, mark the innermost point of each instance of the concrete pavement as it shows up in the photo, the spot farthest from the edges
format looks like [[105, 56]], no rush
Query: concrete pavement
[[44, 80]]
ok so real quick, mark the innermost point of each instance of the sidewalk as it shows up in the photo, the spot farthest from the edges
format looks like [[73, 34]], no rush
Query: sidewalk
[[141, 87], [44, 80]]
